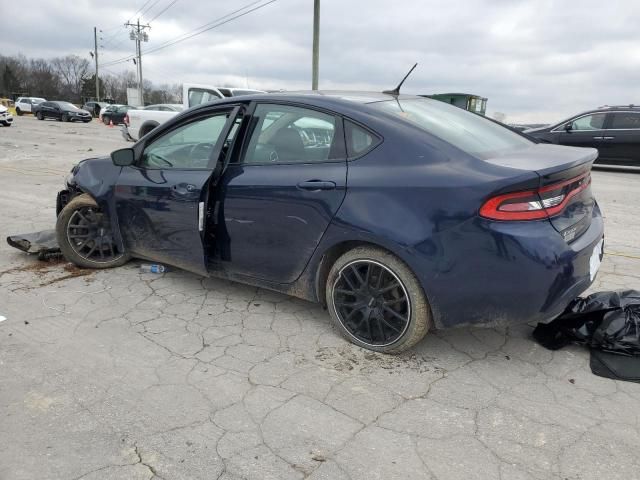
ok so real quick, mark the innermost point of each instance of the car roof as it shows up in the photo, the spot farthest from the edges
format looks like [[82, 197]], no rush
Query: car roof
[[335, 98], [601, 109], [339, 95]]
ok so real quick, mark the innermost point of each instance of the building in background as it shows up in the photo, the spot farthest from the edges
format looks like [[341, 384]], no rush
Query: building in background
[[473, 103]]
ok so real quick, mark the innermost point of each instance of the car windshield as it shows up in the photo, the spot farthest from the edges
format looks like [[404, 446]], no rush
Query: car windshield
[[469, 132], [67, 105]]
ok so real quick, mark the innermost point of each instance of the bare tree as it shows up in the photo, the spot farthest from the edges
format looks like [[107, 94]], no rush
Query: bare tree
[[42, 79], [72, 70], [63, 78]]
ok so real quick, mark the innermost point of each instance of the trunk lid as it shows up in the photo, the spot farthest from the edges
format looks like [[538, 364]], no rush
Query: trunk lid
[[565, 181]]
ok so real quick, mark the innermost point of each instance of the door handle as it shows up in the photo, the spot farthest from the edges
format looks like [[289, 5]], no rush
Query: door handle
[[184, 188], [598, 138], [608, 138], [315, 185]]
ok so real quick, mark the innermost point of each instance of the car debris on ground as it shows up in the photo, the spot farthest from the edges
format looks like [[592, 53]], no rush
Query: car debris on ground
[[606, 322]]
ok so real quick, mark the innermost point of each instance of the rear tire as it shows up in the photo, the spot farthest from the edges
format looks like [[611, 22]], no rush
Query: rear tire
[[39, 116], [84, 235], [376, 301]]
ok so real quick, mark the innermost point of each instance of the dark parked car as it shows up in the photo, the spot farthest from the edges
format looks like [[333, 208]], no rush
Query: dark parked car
[[94, 107], [62, 111], [115, 114], [614, 131], [398, 213]]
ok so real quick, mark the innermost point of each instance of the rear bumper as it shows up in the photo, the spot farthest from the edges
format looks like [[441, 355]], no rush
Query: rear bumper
[[499, 273]]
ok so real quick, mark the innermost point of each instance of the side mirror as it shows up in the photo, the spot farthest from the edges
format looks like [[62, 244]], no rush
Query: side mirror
[[568, 126], [123, 157]]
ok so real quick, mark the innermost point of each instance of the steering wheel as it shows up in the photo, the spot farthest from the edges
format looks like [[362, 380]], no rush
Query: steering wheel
[[155, 158]]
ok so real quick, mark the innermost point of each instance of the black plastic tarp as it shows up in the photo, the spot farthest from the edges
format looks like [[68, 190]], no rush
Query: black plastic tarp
[[609, 324]]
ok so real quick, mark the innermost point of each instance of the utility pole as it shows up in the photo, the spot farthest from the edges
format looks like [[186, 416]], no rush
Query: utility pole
[[138, 34], [95, 56], [316, 44]]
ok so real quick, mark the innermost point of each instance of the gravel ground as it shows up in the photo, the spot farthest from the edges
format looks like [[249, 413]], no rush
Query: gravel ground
[[122, 375]]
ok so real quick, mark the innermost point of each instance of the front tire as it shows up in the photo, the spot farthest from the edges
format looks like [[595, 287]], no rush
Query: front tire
[[39, 116], [18, 112], [146, 129], [85, 237], [105, 120], [376, 301]]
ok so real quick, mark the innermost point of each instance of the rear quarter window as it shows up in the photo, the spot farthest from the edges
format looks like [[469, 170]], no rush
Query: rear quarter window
[[359, 139]]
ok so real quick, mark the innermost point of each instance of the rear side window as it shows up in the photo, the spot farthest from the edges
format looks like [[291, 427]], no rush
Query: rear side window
[[359, 140], [289, 134], [467, 131], [625, 121]]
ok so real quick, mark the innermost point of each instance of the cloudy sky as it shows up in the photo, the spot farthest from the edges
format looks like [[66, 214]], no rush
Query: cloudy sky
[[536, 60]]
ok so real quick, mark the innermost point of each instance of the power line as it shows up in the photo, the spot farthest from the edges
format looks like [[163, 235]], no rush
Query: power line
[[148, 9], [198, 31], [116, 45], [139, 10], [216, 25], [163, 10], [119, 60], [113, 35], [111, 38]]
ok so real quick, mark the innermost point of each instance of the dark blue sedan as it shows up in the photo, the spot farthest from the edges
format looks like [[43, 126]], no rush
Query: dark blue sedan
[[398, 213]]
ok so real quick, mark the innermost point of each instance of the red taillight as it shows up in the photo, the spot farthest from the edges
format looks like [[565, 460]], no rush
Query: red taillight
[[126, 119], [544, 202]]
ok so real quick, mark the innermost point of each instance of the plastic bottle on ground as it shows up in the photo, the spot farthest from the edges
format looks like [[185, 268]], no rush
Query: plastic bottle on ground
[[152, 268]]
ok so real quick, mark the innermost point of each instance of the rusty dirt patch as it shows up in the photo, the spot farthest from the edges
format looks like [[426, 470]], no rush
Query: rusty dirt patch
[[41, 270]]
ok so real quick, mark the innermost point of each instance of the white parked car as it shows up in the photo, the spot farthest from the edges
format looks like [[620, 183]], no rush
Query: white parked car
[[6, 118], [25, 104], [137, 123]]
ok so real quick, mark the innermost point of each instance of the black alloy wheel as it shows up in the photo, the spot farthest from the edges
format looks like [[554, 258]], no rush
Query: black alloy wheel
[[371, 302], [89, 235]]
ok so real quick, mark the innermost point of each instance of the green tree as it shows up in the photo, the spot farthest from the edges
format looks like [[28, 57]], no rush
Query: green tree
[[89, 88]]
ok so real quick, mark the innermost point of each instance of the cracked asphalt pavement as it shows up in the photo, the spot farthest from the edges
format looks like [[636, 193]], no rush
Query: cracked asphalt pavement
[[125, 375]]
